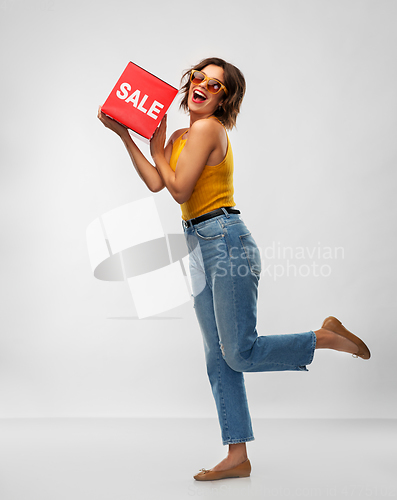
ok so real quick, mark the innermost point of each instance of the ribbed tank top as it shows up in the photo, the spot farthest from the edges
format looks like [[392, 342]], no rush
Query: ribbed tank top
[[214, 188]]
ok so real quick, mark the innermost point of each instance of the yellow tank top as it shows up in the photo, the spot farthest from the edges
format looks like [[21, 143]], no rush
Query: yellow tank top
[[214, 188]]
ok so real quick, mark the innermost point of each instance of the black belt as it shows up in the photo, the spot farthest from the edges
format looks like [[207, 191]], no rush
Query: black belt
[[210, 215]]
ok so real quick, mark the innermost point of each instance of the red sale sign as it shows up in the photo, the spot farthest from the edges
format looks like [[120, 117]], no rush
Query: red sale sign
[[139, 101]]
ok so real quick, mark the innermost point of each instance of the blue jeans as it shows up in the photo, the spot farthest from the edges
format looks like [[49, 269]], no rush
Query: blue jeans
[[225, 266]]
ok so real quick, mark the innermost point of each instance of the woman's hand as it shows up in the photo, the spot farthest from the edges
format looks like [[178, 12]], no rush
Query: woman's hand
[[157, 142], [111, 124]]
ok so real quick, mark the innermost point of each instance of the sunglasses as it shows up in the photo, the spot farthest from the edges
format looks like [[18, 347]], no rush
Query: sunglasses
[[213, 85]]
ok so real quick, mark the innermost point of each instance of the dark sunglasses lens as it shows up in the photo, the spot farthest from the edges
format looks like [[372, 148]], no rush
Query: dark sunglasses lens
[[197, 77], [213, 86]]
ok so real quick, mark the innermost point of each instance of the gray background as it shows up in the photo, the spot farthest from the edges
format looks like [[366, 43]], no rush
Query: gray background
[[315, 157]]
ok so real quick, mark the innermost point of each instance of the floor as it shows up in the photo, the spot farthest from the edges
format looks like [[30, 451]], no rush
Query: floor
[[120, 459]]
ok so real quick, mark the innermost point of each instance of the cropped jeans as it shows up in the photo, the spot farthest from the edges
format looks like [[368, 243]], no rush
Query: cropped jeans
[[225, 267]]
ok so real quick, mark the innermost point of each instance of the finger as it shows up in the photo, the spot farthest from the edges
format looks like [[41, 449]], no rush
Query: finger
[[163, 128]]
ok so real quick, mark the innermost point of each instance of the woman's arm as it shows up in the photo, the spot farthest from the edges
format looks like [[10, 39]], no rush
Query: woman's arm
[[202, 140], [146, 171]]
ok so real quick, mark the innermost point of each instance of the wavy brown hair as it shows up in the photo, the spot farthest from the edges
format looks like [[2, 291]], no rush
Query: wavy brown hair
[[234, 81]]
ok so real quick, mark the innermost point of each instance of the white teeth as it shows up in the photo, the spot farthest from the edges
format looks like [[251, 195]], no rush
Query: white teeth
[[201, 94]]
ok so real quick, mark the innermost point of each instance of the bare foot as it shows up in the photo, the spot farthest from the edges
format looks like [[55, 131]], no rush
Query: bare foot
[[237, 455]]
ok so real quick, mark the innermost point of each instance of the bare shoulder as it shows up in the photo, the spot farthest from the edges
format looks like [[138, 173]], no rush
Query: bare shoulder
[[209, 129], [207, 125]]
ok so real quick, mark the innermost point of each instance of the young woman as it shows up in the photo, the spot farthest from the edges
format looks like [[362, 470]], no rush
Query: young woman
[[196, 166]]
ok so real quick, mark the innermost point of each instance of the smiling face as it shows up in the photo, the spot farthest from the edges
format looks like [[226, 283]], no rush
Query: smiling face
[[200, 101]]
